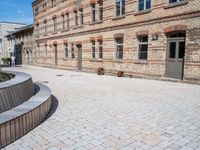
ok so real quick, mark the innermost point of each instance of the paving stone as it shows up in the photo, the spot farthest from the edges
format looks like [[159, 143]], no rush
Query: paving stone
[[110, 113]]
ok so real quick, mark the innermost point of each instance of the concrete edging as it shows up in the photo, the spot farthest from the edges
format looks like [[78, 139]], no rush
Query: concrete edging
[[18, 121], [15, 91]]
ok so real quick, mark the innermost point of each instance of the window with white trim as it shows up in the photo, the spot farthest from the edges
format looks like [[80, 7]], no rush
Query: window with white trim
[[100, 49], [72, 51], [76, 19], [81, 16], [144, 5], [93, 12], [45, 27], [67, 19], [93, 49], [55, 25], [120, 7], [175, 1], [143, 47], [119, 48], [63, 23], [100, 2], [66, 50]]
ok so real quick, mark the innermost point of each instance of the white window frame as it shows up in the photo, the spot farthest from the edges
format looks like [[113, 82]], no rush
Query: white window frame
[[100, 10], [121, 7], [66, 49], [142, 43], [93, 48], [76, 19], [178, 1], [100, 46], [63, 23], [93, 12], [145, 5], [45, 27], [55, 24], [116, 46], [81, 17], [67, 21]]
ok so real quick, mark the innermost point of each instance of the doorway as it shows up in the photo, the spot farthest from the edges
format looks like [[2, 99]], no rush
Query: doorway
[[79, 63], [56, 55], [175, 55]]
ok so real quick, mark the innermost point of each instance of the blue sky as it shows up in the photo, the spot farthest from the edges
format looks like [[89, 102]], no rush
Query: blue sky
[[16, 11]]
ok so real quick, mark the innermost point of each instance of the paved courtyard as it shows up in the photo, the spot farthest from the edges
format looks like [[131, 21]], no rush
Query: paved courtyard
[[109, 113]]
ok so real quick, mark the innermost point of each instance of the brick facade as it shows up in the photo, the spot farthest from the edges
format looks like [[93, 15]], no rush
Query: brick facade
[[159, 21]]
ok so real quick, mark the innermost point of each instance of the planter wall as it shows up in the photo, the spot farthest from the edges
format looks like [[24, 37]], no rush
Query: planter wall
[[15, 91]]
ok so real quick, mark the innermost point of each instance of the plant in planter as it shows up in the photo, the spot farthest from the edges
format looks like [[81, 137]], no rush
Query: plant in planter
[[100, 71], [120, 74], [6, 60]]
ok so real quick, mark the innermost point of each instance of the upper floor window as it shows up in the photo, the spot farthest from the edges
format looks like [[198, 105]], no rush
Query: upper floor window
[[36, 11], [45, 27], [81, 16], [120, 7], [143, 47], [76, 18], [100, 2], [175, 1], [67, 20], [119, 48], [93, 12], [55, 25], [53, 3], [144, 5], [37, 29], [44, 6], [63, 23]]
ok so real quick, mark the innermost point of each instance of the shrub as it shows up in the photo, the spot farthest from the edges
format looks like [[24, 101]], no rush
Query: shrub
[[4, 77], [6, 60]]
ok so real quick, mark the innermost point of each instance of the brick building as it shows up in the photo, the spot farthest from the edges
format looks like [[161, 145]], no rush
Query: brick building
[[144, 38], [24, 44], [6, 28]]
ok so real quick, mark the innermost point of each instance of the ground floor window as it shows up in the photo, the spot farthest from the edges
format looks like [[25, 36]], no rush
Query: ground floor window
[[100, 49], [72, 51], [175, 1], [119, 48], [143, 47], [66, 50], [93, 49]]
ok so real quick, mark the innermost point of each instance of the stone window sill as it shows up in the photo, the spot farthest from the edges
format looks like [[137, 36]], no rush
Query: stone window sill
[[66, 58], [119, 17], [142, 12], [44, 34], [96, 60], [54, 33], [118, 60], [99, 22], [141, 62], [92, 23], [176, 4]]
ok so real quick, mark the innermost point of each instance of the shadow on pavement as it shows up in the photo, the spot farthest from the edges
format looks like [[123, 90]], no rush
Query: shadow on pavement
[[54, 107]]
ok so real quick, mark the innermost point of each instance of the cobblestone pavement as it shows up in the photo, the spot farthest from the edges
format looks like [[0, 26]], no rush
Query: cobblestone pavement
[[110, 113]]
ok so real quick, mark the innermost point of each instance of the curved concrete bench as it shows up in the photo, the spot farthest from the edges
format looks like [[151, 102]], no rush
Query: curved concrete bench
[[18, 121], [15, 91]]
